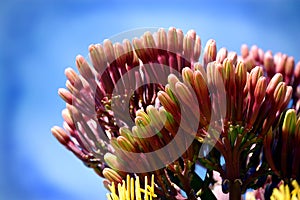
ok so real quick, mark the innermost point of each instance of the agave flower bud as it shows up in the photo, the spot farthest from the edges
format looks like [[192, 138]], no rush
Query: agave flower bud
[[289, 69], [259, 95], [65, 95], [240, 82], [244, 51], [269, 63], [286, 165], [210, 52], [221, 55], [112, 175]]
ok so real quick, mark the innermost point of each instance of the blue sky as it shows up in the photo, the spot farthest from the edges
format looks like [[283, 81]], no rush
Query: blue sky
[[39, 39]]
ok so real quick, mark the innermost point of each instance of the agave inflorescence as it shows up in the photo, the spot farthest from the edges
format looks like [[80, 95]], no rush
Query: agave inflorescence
[[148, 107]]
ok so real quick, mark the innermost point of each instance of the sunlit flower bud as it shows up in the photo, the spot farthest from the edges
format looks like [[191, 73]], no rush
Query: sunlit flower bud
[[162, 41], [244, 50], [210, 52], [269, 63], [112, 175], [172, 40], [221, 55], [65, 95]]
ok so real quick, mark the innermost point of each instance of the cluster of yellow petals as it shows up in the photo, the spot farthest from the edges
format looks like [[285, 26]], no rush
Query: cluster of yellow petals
[[131, 190], [283, 193]]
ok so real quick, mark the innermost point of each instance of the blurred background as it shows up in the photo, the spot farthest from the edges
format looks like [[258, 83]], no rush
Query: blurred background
[[39, 39]]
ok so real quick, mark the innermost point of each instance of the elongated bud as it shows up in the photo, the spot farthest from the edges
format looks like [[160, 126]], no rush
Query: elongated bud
[[221, 55], [84, 68], [244, 50], [65, 95], [269, 63], [162, 40], [254, 76], [112, 175], [112, 161], [142, 119], [279, 94], [60, 134], [68, 118], [120, 55], [187, 75], [172, 40], [197, 48], [149, 43], [168, 104], [125, 132], [276, 79], [210, 52], [109, 50], [71, 75], [154, 117], [125, 144], [289, 69], [129, 53], [98, 57]]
